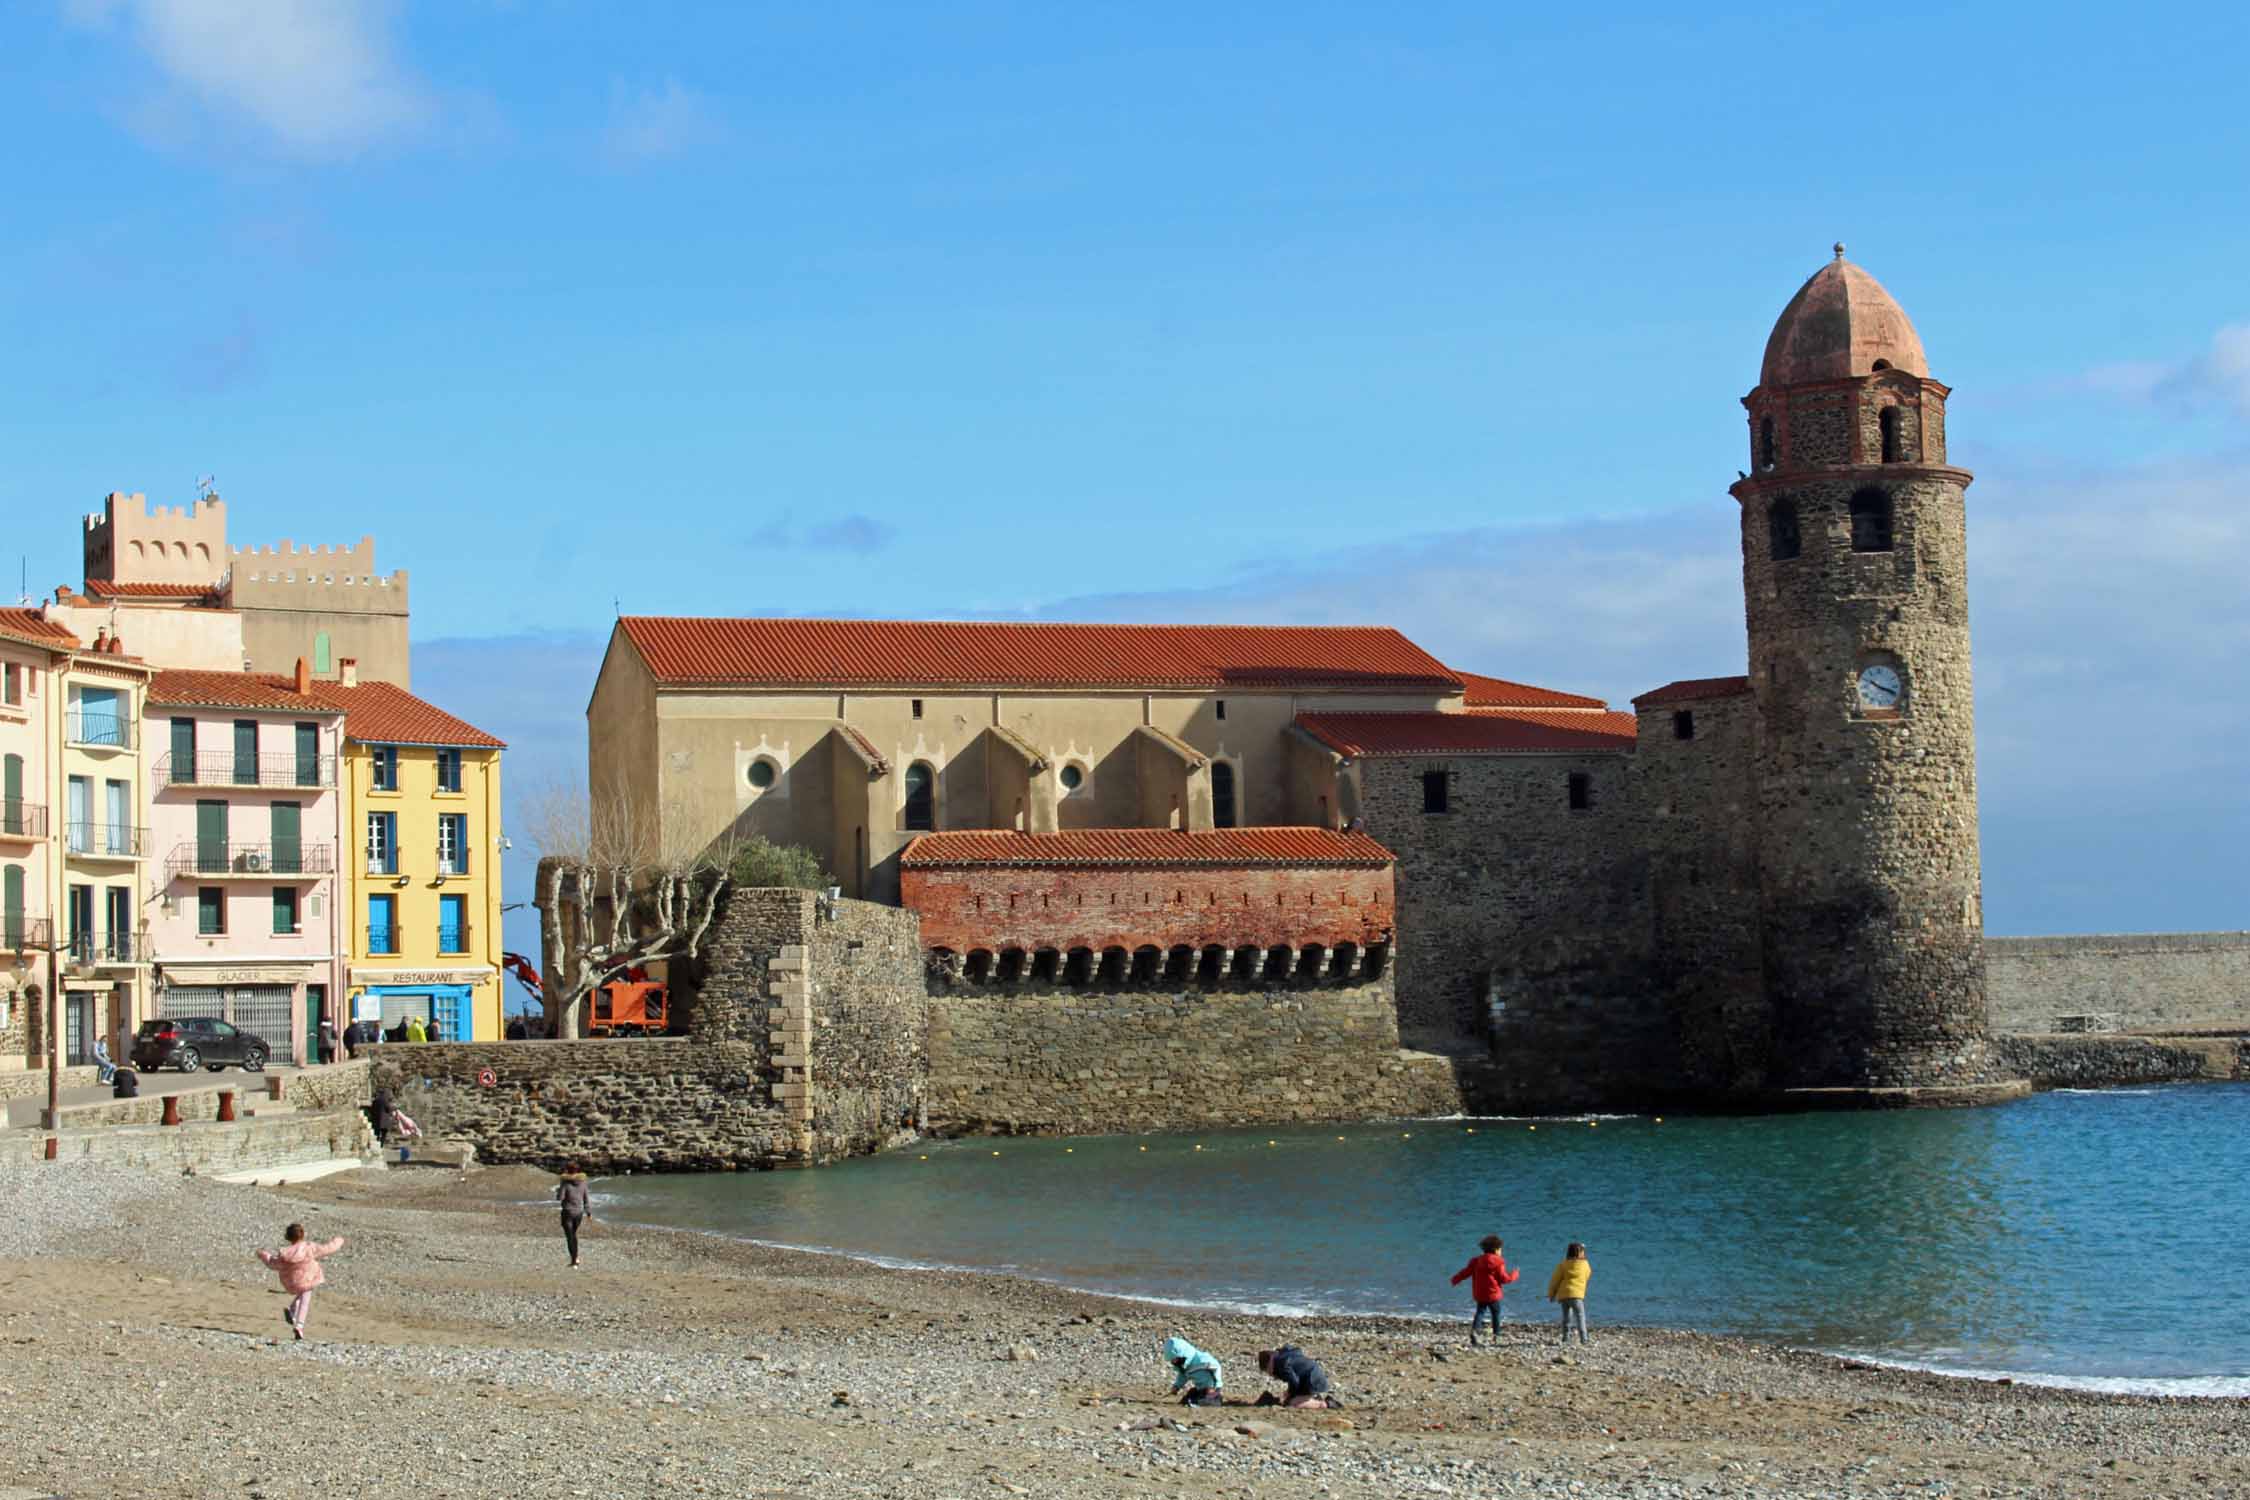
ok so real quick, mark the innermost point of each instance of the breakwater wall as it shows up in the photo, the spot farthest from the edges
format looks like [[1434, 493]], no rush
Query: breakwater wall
[[206, 1148], [2078, 1060], [2160, 981]]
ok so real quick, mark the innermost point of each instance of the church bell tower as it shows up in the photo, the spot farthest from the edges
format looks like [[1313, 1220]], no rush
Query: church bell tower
[[1855, 579]]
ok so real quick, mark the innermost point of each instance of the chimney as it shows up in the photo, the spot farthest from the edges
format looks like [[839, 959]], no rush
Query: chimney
[[117, 645], [347, 671], [101, 640], [304, 676]]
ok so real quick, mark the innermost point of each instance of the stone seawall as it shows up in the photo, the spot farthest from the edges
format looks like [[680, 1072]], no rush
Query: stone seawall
[[26, 1083], [668, 1104], [1021, 1059], [2077, 1061], [208, 1149], [2131, 981]]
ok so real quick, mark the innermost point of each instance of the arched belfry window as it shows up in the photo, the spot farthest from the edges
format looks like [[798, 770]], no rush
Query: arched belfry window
[[1871, 521], [1767, 455], [1222, 794], [921, 798], [1889, 419], [1783, 539]]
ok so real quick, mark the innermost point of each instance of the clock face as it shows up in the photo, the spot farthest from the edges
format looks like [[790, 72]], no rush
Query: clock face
[[1878, 686]]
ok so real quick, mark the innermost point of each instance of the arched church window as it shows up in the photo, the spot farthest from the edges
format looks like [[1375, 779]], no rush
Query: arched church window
[[1767, 456], [1783, 539], [1222, 794], [921, 797], [1888, 420], [1871, 521]]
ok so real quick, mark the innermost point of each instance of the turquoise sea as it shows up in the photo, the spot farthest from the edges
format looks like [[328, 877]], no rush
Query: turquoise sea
[[2087, 1238]]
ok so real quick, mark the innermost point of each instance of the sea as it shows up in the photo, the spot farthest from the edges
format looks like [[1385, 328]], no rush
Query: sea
[[2098, 1239]]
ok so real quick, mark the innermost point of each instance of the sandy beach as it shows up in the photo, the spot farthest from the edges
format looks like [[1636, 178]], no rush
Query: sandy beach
[[454, 1354]]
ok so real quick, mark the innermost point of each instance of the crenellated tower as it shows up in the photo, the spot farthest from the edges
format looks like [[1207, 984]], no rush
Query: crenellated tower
[[1855, 578]]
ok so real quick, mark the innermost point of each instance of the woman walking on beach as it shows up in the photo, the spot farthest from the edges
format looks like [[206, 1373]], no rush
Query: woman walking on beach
[[298, 1263], [1568, 1287], [570, 1192]]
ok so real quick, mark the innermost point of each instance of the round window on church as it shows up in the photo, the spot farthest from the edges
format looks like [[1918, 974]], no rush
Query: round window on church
[[761, 774], [1072, 778]]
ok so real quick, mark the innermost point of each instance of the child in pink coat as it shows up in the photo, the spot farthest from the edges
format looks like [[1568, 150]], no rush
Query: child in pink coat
[[298, 1263]]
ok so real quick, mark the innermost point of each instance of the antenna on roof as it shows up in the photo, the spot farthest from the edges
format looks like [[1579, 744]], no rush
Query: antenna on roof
[[618, 604], [207, 488]]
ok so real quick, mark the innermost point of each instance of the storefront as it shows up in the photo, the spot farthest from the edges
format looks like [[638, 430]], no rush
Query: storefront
[[444, 999], [267, 1000]]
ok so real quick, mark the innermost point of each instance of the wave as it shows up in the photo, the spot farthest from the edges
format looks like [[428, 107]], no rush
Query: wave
[[2112, 1093], [2224, 1386]]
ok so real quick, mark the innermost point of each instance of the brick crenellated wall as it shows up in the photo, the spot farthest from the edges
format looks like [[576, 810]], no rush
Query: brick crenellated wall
[[1063, 907]]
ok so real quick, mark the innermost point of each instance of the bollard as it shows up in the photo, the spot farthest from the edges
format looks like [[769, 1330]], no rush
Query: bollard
[[53, 1147], [226, 1106], [273, 1089], [171, 1109]]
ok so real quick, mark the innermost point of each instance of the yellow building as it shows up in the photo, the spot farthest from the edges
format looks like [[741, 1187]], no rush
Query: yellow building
[[422, 902]]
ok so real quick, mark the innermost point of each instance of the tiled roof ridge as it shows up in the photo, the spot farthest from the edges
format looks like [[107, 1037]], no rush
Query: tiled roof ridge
[[1506, 692], [1004, 624], [1146, 847], [210, 688], [383, 713], [34, 628], [866, 748], [1688, 689], [1174, 743], [1526, 731]]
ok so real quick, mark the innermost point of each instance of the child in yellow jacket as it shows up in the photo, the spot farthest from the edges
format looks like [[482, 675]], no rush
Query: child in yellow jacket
[[1568, 1286]]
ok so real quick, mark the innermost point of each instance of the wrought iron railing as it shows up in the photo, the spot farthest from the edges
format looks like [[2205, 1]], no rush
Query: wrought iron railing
[[453, 937], [281, 861], [22, 934], [104, 840], [104, 731], [22, 820], [382, 940], [105, 945], [281, 769]]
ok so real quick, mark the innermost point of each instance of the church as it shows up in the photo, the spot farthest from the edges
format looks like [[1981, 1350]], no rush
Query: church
[[1744, 885]]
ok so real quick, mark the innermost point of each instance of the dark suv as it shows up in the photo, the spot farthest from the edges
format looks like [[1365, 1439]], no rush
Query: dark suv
[[191, 1042]]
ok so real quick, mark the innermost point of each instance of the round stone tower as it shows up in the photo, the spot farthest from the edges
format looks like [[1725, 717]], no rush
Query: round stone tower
[[1854, 572]]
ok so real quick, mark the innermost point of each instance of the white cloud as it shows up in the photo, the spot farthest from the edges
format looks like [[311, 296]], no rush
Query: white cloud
[[319, 78], [2219, 375], [650, 124]]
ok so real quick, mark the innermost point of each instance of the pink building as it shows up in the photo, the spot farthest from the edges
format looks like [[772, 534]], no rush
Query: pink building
[[245, 825], [31, 648]]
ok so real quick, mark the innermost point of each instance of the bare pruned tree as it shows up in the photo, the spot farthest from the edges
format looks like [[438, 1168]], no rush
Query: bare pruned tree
[[618, 886]]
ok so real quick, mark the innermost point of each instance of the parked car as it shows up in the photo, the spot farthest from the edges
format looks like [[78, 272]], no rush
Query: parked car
[[191, 1042]]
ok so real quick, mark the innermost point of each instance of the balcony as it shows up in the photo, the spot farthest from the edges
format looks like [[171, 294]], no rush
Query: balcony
[[383, 940], [453, 937], [22, 822], [283, 862], [103, 841], [313, 772], [22, 934], [104, 947], [98, 731]]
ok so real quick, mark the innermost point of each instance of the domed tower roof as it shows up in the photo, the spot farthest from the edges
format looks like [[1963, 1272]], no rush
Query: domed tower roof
[[1841, 323]]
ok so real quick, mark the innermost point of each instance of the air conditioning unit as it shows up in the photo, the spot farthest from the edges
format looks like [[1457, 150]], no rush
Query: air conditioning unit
[[250, 861]]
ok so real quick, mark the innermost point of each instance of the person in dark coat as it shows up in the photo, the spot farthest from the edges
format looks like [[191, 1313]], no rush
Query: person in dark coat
[[1307, 1382], [383, 1115]]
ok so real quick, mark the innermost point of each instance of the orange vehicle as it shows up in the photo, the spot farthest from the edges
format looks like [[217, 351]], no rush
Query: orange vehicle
[[628, 1009]]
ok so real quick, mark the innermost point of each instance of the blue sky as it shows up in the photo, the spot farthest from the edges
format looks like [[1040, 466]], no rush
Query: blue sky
[[1435, 317]]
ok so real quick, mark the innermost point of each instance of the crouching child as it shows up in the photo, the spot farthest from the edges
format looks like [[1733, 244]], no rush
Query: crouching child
[[1195, 1372], [1307, 1382]]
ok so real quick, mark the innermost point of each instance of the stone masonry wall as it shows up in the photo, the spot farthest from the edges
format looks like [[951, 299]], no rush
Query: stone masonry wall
[[275, 1141], [2084, 1062], [612, 1105], [870, 1021], [1511, 892], [1698, 800], [2134, 981], [1025, 1059]]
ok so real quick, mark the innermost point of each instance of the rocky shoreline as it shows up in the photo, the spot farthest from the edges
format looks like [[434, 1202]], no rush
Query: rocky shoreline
[[454, 1354]]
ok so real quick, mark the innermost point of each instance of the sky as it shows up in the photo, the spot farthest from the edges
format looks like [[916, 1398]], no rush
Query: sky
[[1435, 316]]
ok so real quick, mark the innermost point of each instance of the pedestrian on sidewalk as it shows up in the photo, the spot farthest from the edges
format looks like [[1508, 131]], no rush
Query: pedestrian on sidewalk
[[570, 1192], [1488, 1276], [298, 1264]]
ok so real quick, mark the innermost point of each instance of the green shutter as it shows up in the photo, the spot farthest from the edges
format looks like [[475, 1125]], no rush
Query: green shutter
[[183, 751], [11, 800], [288, 838], [308, 755], [210, 836]]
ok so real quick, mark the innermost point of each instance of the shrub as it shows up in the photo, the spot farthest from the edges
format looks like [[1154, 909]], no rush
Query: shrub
[[759, 861]]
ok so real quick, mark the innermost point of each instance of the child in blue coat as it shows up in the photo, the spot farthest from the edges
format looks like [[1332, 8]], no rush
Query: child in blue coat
[[1195, 1372]]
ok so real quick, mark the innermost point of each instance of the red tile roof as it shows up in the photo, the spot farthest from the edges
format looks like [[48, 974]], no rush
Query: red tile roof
[[383, 713], [1688, 689], [1487, 732], [947, 653], [866, 747], [186, 689], [1221, 847], [1499, 692], [103, 588], [31, 626]]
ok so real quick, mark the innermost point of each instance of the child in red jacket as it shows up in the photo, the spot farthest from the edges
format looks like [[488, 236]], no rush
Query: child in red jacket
[[1486, 1275]]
